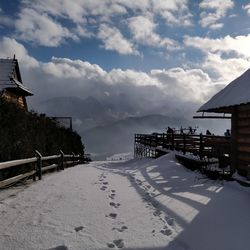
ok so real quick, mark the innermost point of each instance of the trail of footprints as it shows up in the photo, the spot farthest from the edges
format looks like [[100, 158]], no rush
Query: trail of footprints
[[150, 192], [117, 243]]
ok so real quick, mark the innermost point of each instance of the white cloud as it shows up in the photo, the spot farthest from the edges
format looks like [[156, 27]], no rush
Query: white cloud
[[5, 20], [177, 88], [225, 58], [238, 45], [175, 12], [226, 70], [143, 32], [114, 40], [66, 68], [192, 84], [40, 28], [9, 47], [42, 22], [247, 8], [214, 10]]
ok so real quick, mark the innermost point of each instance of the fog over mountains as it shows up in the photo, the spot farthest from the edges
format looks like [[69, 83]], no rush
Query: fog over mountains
[[108, 126]]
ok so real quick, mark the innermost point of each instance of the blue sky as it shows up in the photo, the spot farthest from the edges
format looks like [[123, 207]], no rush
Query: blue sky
[[183, 51]]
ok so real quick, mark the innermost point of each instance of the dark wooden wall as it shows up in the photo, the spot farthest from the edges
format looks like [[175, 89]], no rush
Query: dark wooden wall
[[241, 138]]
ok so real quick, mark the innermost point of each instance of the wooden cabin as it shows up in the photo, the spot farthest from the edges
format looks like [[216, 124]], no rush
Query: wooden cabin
[[11, 85], [234, 99]]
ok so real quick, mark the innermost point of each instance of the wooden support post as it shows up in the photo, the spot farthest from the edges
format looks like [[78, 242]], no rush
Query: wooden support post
[[234, 144], [62, 160], [201, 147], [184, 143], [39, 165], [172, 140]]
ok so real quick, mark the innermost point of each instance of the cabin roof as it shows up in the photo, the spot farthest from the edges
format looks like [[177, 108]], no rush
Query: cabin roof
[[235, 93], [7, 80]]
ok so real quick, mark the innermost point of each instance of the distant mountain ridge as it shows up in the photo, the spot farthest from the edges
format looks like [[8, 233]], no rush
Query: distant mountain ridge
[[106, 127], [117, 137]]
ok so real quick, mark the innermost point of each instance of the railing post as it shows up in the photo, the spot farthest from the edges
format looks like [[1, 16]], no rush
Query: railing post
[[201, 147], [39, 164], [62, 159], [184, 143], [172, 140]]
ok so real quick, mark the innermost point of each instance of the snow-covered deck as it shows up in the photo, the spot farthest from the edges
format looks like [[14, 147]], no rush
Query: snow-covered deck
[[140, 204]]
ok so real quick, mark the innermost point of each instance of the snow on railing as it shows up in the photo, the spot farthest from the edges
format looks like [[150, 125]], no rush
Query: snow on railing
[[38, 165]]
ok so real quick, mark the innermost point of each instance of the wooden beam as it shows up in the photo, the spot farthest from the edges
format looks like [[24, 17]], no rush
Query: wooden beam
[[211, 117]]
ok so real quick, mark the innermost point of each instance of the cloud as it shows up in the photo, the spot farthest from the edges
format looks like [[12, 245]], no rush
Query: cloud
[[175, 12], [9, 47], [190, 84], [113, 39], [226, 69], [167, 91], [214, 10], [143, 32], [238, 45], [5, 20], [52, 23], [247, 8], [40, 29], [224, 58]]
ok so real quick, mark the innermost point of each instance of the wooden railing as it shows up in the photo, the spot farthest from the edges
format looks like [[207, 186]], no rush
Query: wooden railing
[[38, 165], [208, 146]]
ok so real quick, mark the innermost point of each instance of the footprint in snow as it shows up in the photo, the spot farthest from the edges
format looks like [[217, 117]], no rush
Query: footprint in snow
[[77, 229], [112, 215], [116, 243], [116, 205], [166, 232], [170, 221], [103, 188], [59, 248], [105, 183], [112, 196], [122, 229], [113, 191]]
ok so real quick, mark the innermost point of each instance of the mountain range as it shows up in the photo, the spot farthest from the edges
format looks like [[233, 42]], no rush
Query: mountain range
[[107, 128]]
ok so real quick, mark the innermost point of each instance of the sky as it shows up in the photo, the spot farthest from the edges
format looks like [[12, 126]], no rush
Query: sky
[[171, 53]]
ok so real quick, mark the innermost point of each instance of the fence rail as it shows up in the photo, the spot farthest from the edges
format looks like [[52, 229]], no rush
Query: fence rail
[[38, 165], [204, 146]]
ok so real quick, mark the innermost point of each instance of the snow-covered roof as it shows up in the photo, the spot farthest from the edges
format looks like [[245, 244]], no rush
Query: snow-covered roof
[[235, 93], [7, 80]]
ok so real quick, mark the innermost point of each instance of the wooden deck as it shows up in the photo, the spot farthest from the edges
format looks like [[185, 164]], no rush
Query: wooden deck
[[206, 149]]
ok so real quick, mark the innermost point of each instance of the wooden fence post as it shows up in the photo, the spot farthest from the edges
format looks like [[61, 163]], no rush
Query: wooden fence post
[[39, 164], [35, 168], [62, 159], [73, 159]]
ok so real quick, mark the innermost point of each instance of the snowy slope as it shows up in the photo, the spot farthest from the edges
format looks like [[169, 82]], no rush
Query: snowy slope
[[139, 204]]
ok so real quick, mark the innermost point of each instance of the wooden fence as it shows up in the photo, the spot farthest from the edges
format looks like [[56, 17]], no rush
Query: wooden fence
[[204, 146], [36, 166]]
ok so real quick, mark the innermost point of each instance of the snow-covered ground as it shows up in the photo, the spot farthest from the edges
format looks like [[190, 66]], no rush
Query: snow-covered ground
[[138, 204]]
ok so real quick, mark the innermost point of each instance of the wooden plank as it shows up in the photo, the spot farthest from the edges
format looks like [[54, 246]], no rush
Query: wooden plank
[[243, 131], [49, 167], [8, 164], [16, 178], [46, 158], [245, 158], [243, 148]]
